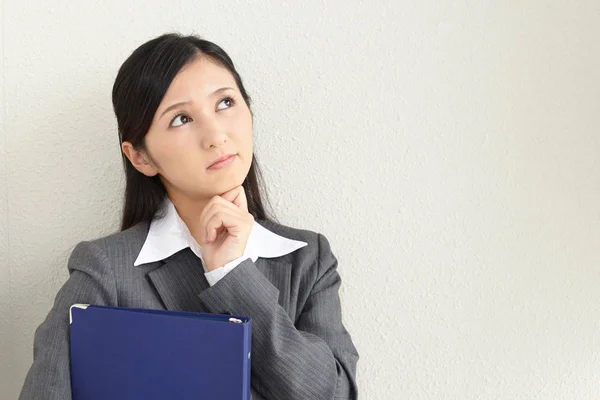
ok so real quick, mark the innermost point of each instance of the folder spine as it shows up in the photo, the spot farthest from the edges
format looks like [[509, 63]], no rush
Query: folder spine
[[247, 351]]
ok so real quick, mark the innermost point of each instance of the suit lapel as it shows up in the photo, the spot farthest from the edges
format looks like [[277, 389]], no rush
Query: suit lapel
[[179, 281]]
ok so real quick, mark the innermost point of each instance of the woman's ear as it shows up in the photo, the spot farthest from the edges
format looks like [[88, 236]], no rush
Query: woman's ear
[[138, 159]]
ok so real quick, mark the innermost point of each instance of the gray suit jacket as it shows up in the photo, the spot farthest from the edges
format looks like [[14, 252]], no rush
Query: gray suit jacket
[[300, 349]]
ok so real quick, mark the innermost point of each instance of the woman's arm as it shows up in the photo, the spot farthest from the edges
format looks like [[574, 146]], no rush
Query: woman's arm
[[91, 281], [314, 359]]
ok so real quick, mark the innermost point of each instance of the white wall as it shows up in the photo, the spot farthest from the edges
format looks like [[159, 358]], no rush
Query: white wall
[[5, 278], [448, 150]]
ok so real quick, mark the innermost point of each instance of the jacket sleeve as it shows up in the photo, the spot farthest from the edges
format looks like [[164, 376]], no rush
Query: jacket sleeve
[[313, 358], [91, 281]]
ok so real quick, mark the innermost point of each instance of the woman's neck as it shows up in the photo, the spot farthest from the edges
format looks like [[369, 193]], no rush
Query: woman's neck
[[189, 210]]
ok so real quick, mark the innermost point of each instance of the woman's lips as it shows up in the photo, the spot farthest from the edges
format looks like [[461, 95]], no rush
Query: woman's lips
[[223, 163]]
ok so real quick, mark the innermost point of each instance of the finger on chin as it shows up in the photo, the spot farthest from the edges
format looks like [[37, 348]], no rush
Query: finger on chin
[[237, 196]]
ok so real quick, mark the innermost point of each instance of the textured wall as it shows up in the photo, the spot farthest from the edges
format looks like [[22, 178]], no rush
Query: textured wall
[[6, 359], [448, 150]]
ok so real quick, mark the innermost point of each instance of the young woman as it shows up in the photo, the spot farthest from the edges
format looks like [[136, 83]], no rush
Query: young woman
[[195, 235]]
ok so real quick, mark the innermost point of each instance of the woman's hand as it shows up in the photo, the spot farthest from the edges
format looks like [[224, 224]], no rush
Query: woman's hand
[[225, 226]]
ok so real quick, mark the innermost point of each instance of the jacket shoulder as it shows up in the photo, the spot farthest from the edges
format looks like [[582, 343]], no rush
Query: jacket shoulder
[[124, 244]]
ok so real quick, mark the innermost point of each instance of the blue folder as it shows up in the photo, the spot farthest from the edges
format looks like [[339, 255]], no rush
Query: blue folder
[[128, 353]]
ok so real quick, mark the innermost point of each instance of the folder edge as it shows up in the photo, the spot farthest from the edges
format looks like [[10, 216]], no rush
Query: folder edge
[[81, 306]]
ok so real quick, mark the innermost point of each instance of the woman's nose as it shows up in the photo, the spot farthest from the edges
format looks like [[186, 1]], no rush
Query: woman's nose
[[211, 133]]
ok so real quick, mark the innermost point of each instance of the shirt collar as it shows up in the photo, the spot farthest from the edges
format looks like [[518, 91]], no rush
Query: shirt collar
[[169, 235]]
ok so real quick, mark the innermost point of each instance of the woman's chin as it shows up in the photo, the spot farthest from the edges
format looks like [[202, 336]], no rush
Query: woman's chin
[[221, 187]]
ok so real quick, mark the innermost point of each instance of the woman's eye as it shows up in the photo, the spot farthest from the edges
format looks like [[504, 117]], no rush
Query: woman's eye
[[228, 101], [182, 117]]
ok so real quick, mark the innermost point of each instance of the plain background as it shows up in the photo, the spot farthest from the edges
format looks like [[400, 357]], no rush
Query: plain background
[[449, 150]]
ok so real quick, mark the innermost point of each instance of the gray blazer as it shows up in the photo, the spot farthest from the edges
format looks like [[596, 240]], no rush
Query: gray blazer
[[300, 348]]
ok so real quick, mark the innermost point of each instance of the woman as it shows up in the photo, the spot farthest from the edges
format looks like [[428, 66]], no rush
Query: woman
[[195, 235]]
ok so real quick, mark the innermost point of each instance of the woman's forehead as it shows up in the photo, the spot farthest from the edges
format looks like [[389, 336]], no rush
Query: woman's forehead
[[201, 77]]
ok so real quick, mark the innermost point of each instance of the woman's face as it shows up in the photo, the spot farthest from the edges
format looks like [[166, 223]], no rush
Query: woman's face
[[202, 117]]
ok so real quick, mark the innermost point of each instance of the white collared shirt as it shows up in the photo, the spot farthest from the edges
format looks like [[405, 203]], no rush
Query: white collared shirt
[[169, 235]]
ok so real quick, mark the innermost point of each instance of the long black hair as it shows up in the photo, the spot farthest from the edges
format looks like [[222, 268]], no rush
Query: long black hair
[[139, 87]]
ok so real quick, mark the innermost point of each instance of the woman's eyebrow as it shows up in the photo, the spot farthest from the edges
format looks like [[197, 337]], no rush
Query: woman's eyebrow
[[172, 106]]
